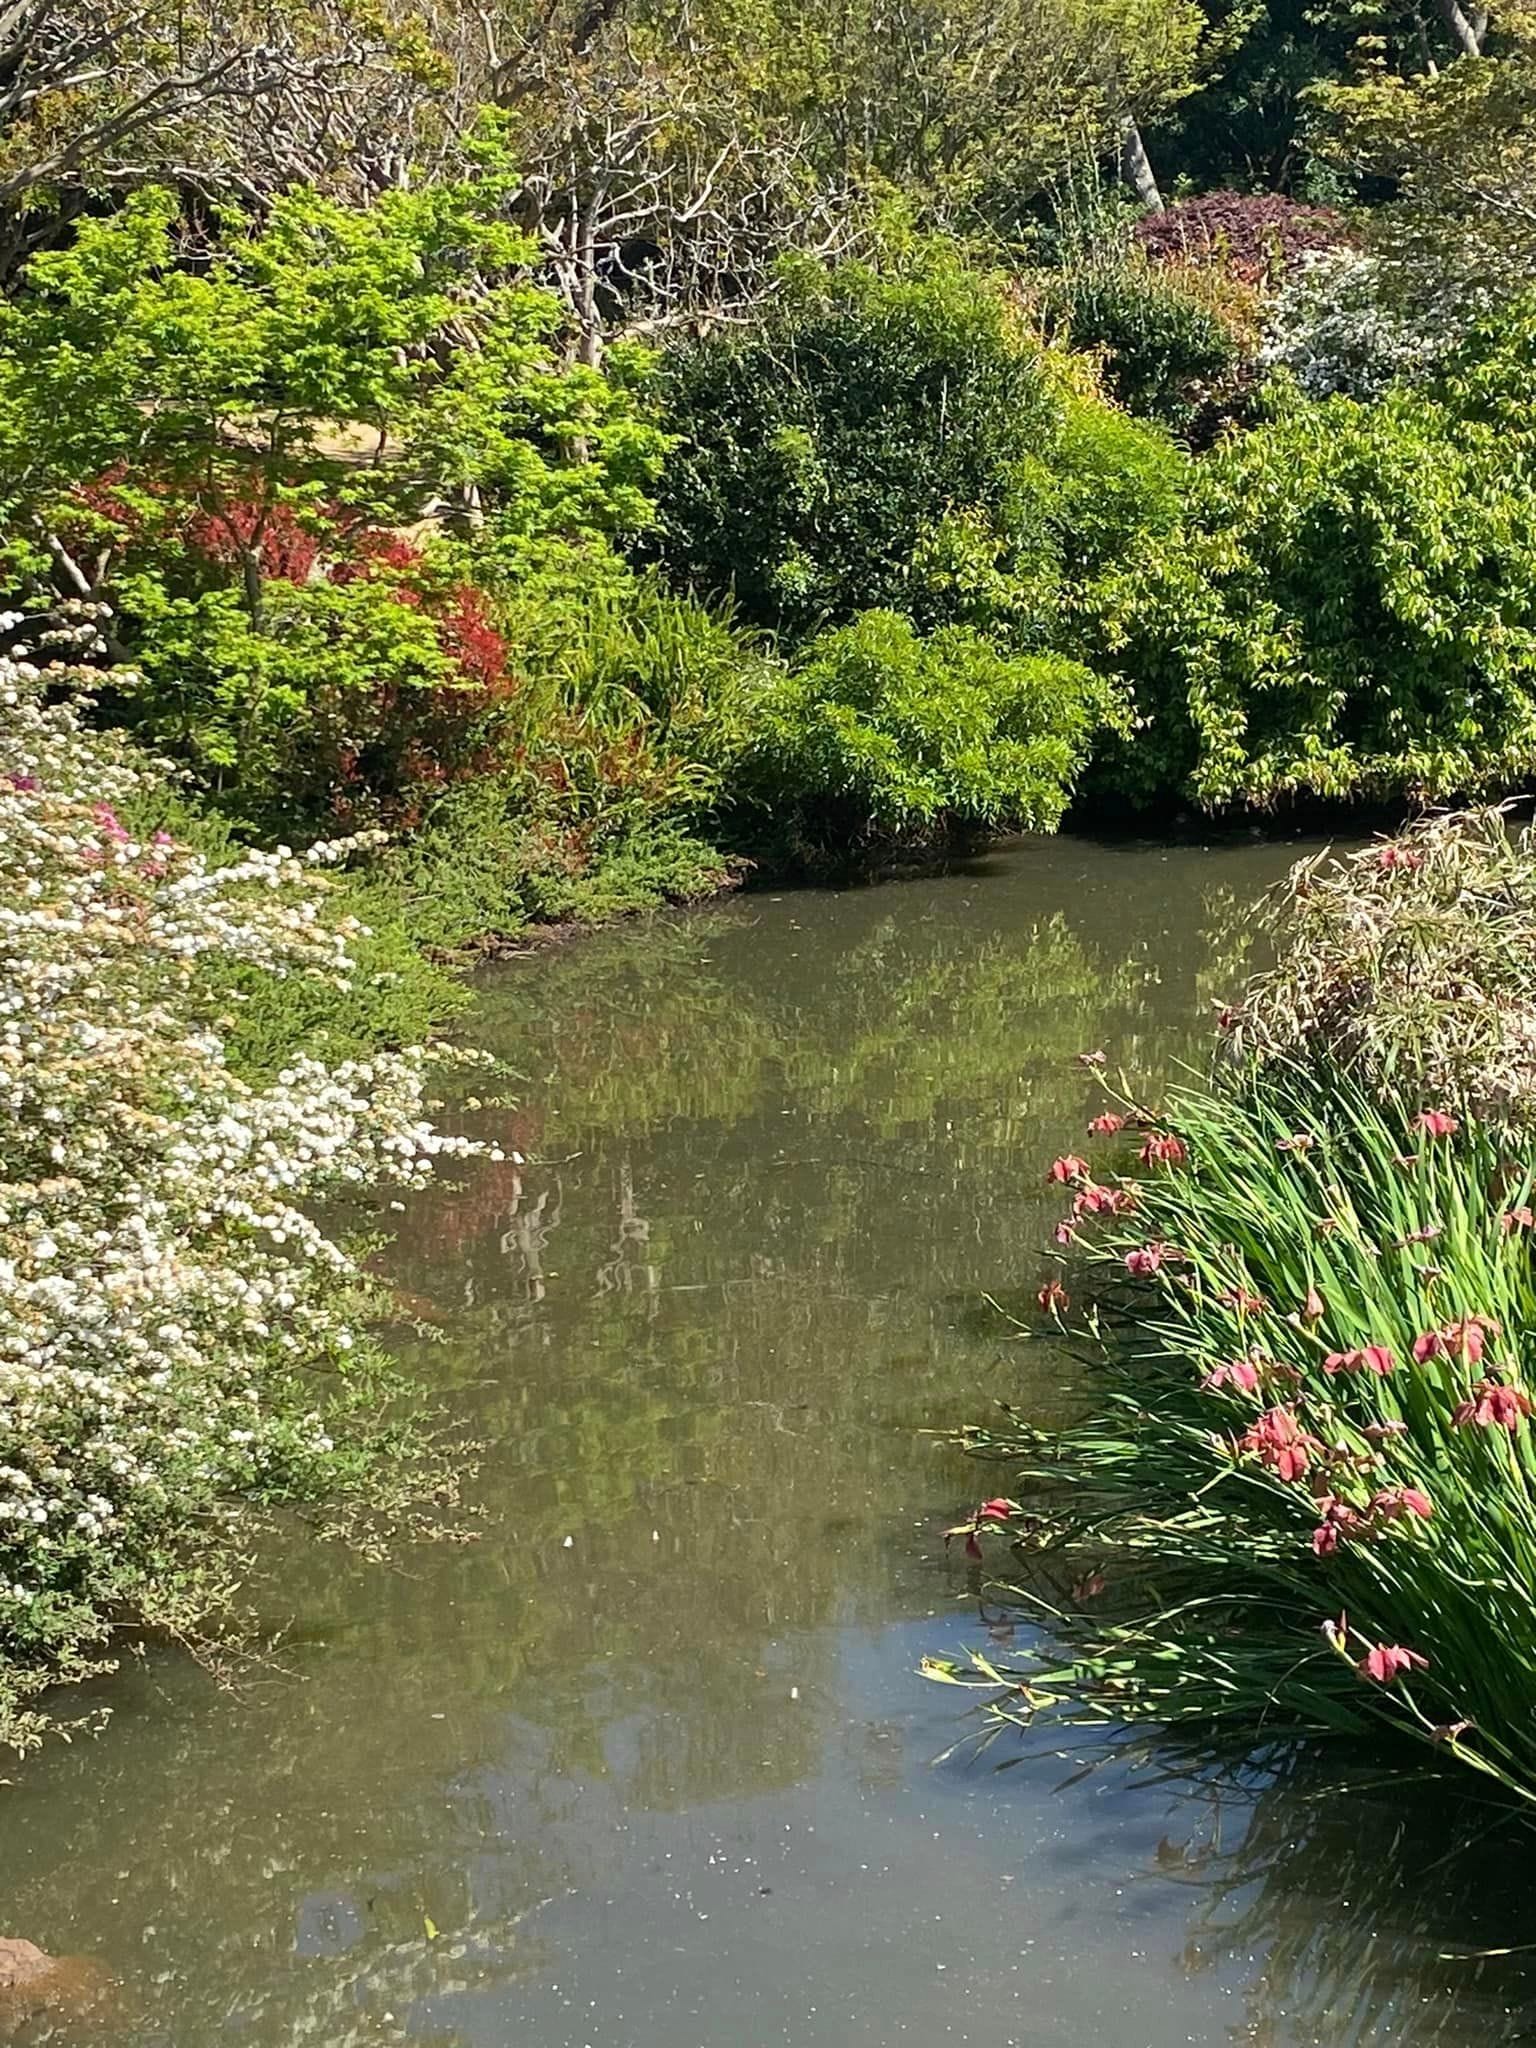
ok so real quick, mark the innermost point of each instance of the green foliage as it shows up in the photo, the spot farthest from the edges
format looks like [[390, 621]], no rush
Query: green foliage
[[1166, 352], [1263, 1535], [878, 733], [894, 439], [1348, 609]]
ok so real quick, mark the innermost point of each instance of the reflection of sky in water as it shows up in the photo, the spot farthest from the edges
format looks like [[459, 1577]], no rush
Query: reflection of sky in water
[[647, 1765]]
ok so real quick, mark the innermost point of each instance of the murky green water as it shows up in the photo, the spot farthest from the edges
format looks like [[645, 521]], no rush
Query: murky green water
[[648, 1766]]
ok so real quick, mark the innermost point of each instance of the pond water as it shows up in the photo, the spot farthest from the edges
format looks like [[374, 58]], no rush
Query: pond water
[[648, 1764]]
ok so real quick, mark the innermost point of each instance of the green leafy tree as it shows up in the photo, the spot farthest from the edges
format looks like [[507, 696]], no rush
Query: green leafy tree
[[897, 438]]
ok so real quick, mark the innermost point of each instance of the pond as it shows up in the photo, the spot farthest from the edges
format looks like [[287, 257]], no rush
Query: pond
[[648, 1764]]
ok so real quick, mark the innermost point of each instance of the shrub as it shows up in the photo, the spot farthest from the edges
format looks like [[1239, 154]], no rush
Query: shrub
[[177, 1335], [888, 440], [1349, 609], [1337, 326], [1303, 1501], [1411, 966], [1259, 237], [880, 734], [1167, 351]]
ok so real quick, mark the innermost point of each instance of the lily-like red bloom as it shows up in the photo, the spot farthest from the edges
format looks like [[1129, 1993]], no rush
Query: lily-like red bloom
[[1164, 1149], [1393, 1503], [1064, 1233], [1068, 1170], [1105, 1126], [1465, 1338], [996, 1510], [1492, 1405], [1092, 1059], [1097, 1201], [1375, 1358], [1242, 1373], [1146, 1260], [1053, 1297], [1339, 1521], [1387, 1661], [1437, 1123], [1390, 857], [1278, 1441], [1516, 1219], [1314, 1306]]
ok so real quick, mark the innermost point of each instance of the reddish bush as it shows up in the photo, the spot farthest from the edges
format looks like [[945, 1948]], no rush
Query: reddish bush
[[1253, 235]]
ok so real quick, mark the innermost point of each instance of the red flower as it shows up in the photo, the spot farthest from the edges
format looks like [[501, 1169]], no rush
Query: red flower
[[1387, 1660], [1106, 1125], [1228, 1019], [1097, 1201], [996, 1510], [1053, 1297], [1092, 1059], [1146, 1260], [1436, 1123], [1516, 1219], [1313, 1306], [1064, 1233], [1068, 1170], [1235, 1372], [1396, 1501], [1163, 1149], [1465, 1338], [1339, 1521], [1492, 1405], [1279, 1442], [1375, 1358], [1391, 857]]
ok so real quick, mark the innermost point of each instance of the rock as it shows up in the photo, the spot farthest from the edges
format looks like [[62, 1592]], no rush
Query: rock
[[33, 1983], [21, 1962]]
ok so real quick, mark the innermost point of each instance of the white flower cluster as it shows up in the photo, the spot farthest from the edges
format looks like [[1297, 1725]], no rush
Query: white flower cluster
[[163, 1295], [1337, 327]]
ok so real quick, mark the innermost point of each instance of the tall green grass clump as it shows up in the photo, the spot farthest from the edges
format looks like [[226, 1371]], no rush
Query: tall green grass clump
[[1301, 1499]]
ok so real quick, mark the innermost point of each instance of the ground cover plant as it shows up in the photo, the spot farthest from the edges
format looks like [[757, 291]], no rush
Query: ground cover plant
[[1301, 1500]]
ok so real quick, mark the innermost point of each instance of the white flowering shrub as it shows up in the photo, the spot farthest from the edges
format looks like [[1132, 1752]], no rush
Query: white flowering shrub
[[177, 1334], [1336, 327]]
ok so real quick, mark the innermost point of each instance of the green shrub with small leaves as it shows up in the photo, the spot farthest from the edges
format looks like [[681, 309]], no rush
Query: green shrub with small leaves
[[879, 734]]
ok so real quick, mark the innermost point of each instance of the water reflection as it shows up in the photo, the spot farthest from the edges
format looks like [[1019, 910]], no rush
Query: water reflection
[[646, 1764]]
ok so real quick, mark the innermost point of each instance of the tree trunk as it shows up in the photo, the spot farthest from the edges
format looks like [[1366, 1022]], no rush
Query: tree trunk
[[1466, 30], [1136, 165]]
